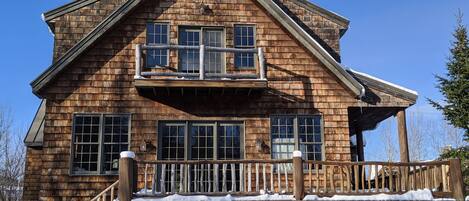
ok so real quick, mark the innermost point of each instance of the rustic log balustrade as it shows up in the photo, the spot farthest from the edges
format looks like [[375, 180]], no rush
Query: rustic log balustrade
[[201, 75], [291, 176]]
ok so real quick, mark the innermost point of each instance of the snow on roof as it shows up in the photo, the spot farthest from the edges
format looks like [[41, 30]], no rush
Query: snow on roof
[[384, 82]]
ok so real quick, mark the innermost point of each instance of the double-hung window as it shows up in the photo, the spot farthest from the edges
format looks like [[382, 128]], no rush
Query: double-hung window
[[97, 142], [244, 39], [157, 34], [302, 133]]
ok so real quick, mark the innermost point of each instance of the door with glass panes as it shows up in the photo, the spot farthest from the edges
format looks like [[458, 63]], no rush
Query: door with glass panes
[[214, 62], [202, 141]]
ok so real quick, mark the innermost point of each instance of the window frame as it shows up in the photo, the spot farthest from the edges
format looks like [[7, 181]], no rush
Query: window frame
[[296, 132], [100, 161], [187, 137], [168, 39], [254, 32]]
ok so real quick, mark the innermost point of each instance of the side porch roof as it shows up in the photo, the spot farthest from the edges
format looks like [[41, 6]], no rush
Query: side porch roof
[[35, 135]]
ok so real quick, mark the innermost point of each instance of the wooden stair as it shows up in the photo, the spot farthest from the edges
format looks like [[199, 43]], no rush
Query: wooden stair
[[109, 191]]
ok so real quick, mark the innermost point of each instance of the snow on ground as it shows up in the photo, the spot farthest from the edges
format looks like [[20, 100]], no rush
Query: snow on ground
[[412, 195]]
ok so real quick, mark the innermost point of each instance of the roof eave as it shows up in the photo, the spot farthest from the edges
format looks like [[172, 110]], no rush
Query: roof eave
[[67, 8]]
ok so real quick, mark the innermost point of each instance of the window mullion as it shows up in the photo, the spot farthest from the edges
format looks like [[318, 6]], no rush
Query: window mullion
[[295, 133], [186, 142], [100, 142], [215, 141]]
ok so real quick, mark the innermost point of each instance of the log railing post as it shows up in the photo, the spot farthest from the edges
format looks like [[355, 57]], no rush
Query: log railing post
[[126, 175], [201, 62], [262, 67], [456, 180], [298, 176], [138, 62]]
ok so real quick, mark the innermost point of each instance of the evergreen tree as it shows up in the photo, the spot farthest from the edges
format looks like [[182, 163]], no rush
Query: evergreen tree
[[455, 85]]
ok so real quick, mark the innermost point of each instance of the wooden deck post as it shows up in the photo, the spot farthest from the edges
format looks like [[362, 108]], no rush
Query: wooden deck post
[[298, 176], [456, 180], [360, 145], [126, 175], [402, 130]]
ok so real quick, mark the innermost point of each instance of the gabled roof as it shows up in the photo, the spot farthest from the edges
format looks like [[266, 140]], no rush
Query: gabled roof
[[35, 134], [272, 8]]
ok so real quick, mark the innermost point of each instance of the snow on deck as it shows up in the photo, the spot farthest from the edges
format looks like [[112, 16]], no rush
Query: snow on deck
[[411, 195]]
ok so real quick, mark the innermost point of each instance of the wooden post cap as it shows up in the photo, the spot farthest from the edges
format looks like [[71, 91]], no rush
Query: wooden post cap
[[127, 154], [297, 154]]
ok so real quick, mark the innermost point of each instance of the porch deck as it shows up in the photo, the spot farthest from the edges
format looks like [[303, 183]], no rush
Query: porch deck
[[292, 176]]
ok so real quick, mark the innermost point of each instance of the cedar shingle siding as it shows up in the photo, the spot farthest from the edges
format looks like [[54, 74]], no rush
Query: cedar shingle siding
[[101, 81]]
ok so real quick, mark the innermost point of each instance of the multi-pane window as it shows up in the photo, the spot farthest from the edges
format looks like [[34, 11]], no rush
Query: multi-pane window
[[310, 137], [116, 140], [189, 59], [98, 141], [244, 38], [291, 133], [201, 141], [157, 34], [86, 143]]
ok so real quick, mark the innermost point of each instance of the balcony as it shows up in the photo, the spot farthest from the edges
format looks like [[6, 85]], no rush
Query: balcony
[[205, 75]]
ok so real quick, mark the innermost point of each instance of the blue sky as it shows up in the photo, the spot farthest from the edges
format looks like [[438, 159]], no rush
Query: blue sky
[[401, 41]]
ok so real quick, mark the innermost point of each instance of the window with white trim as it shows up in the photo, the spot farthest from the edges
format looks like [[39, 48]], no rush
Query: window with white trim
[[244, 38], [302, 132], [157, 34], [97, 142]]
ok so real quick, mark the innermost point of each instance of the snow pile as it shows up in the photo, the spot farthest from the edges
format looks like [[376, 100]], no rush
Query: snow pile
[[411, 195]]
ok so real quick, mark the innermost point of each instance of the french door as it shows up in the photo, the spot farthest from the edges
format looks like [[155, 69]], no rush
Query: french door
[[208, 36], [202, 141]]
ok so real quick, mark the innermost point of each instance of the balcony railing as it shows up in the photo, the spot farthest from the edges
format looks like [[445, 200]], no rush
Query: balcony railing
[[202, 74], [291, 176]]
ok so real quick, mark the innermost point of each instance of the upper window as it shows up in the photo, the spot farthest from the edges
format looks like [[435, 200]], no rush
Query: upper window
[[157, 34], [244, 38], [98, 141], [291, 133]]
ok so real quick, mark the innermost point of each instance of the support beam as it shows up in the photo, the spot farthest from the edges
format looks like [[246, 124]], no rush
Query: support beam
[[402, 130], [360, 145]]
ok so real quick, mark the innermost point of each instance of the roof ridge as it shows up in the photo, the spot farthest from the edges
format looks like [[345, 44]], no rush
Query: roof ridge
[[67, 8]]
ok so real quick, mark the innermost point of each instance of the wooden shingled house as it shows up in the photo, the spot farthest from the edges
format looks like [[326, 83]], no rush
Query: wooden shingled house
[[213, 97]]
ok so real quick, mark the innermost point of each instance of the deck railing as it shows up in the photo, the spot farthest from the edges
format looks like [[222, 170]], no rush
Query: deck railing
[[241, 177], [202, 73], [293, 176]]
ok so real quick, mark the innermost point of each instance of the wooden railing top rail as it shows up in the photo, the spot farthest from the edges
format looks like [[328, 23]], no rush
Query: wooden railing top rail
[[379, 163], [274, 161], [215, 161]]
